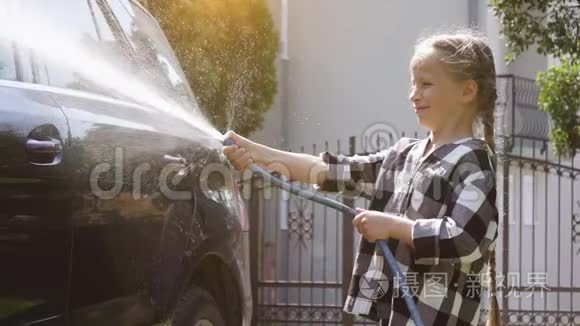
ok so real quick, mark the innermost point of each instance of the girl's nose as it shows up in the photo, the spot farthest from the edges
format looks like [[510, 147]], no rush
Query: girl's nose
[[414, 95]]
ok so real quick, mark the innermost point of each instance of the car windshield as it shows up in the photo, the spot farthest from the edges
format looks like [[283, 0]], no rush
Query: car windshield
[[118, 33]]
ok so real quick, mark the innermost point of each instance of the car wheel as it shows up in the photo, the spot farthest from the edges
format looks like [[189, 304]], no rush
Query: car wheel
[[197, 308]]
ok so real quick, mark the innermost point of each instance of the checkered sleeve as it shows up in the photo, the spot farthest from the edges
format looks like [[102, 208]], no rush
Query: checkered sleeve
[[469, 228], [352, 175]]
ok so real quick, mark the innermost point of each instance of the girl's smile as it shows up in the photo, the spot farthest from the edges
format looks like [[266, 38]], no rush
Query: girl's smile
[[420, 108]]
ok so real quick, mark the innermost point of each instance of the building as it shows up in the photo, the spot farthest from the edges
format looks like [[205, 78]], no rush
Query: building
[[343, 64]]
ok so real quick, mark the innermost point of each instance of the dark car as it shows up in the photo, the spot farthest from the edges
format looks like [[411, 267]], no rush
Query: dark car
[[114, 209]]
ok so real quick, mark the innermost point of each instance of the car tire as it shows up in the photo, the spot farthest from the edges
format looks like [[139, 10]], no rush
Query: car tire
[[198, 308]]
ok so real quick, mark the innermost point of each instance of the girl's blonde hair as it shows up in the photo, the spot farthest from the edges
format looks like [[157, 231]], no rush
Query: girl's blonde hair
[[467, 56]]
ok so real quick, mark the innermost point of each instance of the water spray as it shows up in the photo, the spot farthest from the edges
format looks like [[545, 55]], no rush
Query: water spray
[[318, 198]]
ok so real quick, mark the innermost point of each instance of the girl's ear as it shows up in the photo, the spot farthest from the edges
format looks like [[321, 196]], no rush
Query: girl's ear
[[470, 90]]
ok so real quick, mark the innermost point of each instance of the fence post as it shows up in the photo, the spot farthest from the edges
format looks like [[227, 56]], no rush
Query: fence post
[[254, 216], [347, 246], [504, 304]]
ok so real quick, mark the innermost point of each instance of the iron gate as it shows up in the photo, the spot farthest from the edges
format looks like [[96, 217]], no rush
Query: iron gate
[[538, 193], [301, 253]]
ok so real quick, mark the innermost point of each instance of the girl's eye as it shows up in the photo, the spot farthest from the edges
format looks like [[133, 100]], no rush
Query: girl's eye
[[427, 84]]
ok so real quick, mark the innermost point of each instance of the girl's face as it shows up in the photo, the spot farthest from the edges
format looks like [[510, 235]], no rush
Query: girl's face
[[436, 96]]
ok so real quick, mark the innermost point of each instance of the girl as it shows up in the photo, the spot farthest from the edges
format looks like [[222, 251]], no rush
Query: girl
[[433, 199]]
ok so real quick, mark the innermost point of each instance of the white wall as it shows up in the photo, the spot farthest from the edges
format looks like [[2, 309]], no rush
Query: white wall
[[348, 65], [528, 64], [271, 132]]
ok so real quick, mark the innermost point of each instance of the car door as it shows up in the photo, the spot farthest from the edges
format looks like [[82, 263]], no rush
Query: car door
[[35, 206], [124, 151], [116, 217]]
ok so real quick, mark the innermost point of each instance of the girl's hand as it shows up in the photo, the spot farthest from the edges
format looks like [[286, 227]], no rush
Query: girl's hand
[[242, 154], [373, 225]]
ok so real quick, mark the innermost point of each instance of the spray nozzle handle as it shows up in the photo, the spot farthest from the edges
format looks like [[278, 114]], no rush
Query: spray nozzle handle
[[228, 142]]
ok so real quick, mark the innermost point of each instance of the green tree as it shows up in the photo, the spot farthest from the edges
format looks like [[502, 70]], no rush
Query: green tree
[[228, 51], [554, 26]]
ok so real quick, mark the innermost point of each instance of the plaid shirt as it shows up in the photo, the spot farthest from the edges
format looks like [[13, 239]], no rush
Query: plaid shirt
[[450, 194]]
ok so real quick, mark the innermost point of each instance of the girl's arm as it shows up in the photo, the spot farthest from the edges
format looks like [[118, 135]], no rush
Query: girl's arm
[[300, 167], [355, 174]]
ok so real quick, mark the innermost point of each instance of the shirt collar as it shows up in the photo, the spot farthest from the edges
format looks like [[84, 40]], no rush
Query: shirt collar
[[418, 151], [458, 141]]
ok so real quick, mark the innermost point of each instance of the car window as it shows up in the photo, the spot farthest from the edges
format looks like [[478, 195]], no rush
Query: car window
[[112, 40], [14, 59], [116, 32], [39, 62], [19, 63], [75, 31], [113, 46], [152, 50], [7, 63]]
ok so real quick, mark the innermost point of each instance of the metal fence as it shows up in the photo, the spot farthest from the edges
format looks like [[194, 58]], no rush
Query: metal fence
[[540, 235], [303, 256], [538, 194], [302, 253]]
